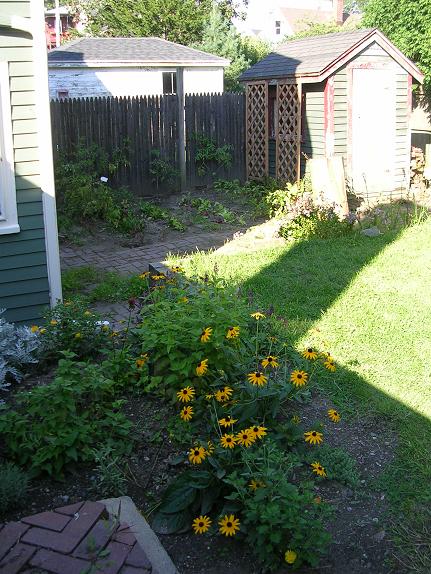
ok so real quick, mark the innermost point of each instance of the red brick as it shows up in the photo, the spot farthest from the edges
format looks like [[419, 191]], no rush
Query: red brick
[[58, 563], [16, 558], [10, 535], [115, 558], [49, 520], [138, 558], [95, 540], [70, 510], [124, 535], [71, 536]]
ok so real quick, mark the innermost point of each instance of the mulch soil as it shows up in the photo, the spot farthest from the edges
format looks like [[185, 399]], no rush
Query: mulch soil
[[359, 526]]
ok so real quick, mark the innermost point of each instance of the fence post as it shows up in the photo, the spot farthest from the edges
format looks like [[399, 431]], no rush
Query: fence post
[[181, 127]]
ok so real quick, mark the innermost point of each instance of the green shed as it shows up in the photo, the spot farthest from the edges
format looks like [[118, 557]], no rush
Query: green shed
[[29, 254], [346, 94]]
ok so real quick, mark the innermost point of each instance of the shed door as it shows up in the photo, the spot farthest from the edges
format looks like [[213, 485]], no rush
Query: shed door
[[373, 131]]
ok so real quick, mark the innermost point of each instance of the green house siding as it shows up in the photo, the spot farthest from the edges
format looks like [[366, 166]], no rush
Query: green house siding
[[24, 287], [313, 123], [375, 55]]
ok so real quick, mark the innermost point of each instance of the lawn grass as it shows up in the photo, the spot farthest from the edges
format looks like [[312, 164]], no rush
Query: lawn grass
[[93, 285], [368, 302]]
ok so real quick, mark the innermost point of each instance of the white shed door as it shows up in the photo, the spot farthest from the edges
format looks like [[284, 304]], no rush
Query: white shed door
[[373, 131]]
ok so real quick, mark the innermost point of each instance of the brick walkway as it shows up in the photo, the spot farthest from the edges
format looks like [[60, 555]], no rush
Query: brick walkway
[[73, 539]]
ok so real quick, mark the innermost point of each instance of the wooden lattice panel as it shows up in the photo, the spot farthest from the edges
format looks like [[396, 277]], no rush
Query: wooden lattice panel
[[257, 130], [288, 132]]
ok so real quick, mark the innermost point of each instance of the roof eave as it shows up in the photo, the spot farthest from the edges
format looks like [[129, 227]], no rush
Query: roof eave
[[136, 63]]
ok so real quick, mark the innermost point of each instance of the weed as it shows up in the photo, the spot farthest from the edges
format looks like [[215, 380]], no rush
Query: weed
[[13, 486]]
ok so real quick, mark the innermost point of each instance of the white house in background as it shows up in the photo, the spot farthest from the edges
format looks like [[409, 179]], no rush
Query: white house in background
[[272, 20], [98, 67]]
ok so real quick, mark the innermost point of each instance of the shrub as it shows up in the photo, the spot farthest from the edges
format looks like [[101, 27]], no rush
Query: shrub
[[13, 486], [339, 465], [18, 347], [110, 476], [59, 424], [210, 156]]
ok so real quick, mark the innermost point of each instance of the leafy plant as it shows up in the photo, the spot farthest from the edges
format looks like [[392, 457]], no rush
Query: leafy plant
[[13, 486], [110, 476], [161, 170], [339, 465], [207, 208], [152, 211], [57, 425], [18, 347], [209, 155]]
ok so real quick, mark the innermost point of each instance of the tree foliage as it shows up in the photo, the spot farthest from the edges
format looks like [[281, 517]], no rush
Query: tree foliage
[[407, 23], [320, 29]]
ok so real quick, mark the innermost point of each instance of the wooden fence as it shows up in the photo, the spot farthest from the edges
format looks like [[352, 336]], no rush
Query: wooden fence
[[150, 124]]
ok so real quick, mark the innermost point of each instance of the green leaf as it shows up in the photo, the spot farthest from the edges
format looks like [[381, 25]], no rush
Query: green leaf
[[172, 523]]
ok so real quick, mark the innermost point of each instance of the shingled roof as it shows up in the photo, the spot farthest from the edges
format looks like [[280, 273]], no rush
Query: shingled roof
[[129, 51], [317, 56]]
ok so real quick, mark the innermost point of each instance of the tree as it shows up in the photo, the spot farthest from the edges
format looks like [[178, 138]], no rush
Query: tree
[[221, 38], [407, 23], [320, 29]]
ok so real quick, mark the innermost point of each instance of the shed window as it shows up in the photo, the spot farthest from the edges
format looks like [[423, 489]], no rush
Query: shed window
[[278, 27], [169, 82], [62, 94], [8, 208]]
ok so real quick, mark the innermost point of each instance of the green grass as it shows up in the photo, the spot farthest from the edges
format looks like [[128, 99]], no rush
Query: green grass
[[368, 302], [97, 285]]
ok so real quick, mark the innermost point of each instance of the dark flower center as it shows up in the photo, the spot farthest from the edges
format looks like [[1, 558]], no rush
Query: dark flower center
[[313, 433], [255, 429], [258, 375], [201, 524], [299, 376], [270, 359], [228, 439], [244, 436], [196, 452], [320, 468], [185, 392], [310, 350], [229, 524]]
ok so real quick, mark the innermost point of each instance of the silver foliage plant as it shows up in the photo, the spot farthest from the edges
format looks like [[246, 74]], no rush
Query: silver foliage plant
[[18, 346]]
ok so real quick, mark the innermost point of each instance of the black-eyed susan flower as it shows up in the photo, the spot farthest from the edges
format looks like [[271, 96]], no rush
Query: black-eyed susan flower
[[334, 415], [229, 525], [79, 335], [209, 396], [144, 275], [177, 269], [296, 419], [310, 354], [197, 454], [186, 413], [290, 556], [206, 335], [34, 329], [141, 360], [186, 395], [318, 469], [53, 322], [245, 438], [227, 421], [232, 333], [298, 378], [255, 484], [201, 524], [258, 316], [257, 378], [202, 368], [330, 364], [221, 396], [258, 431], [269, 361], [313, 437], [42, 331], [210, 448], [228, 391], [159, 277], [228, 441]]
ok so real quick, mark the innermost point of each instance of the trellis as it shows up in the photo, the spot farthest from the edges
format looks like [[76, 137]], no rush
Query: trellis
[[288, 132], [257, 130]]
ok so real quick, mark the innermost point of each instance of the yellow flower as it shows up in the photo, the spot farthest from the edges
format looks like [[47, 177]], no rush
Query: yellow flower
[[232, 333], [318, 469], [310, 354], [202, 368], [245, 438], [258, 431], [269, 361], [228, 392], [105, 328], [229, 525], [53, 322], [183, 300], [159, 277], [298, 378], [296, 419], [78, 335], [313, 437], [227, 421], [334, 415], [255, 484], [114, 334], [186, 395], [144, 275], [228, 441], [42, 331], [34, 328], [186, 413], [223, 395], [142, 360], [197, 454], [330, 364], [290, 556], [206, 335], [177, 269], [201, 524], [209, 396], [87, 313], [258, 315], [257, 378], [210, 449]]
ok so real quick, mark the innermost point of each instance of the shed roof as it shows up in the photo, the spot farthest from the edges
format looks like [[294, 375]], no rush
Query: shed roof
[[95, 52], [317, 57]]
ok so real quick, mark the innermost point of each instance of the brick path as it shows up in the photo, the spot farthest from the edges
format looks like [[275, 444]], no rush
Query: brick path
[[73, 539]]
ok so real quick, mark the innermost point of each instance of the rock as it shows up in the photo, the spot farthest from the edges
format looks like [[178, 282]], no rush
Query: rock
[[379, 536], [65, 498], [371, 232]]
